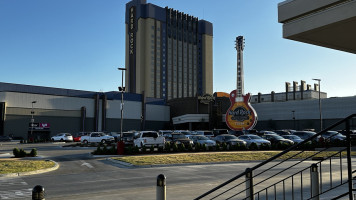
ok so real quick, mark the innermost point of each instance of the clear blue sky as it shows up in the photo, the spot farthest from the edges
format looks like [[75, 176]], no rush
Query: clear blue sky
[[79, 44]]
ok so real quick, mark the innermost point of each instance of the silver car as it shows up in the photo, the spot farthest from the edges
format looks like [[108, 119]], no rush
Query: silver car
[[202, 140], [254, 139]]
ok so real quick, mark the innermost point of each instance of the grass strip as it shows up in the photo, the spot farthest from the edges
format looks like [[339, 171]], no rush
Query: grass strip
[[16, 166], [215, 157]]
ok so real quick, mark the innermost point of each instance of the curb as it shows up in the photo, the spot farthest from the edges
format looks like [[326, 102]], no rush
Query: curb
[[126, 164], [40, 171]]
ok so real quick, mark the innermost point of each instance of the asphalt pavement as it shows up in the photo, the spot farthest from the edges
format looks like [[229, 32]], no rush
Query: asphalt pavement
[[81, 176]]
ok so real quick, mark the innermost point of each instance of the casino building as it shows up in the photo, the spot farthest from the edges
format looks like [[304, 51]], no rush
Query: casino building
[[169, 54]]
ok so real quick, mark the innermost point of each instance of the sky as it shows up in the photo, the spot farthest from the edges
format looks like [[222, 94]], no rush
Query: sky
[[79, 44]]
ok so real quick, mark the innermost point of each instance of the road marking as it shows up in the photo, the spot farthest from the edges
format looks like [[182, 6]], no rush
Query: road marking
[[16, 194], [86, 164]]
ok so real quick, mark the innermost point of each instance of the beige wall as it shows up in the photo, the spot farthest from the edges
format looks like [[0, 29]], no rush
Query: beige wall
[[207, 64]]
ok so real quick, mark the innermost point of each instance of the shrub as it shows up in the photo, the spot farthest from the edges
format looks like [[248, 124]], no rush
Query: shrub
[[105, 150], [174, 147], [197, 147], [167, 146], [203, 147], [253, 146], [21, 141], [217, 146], [264, 147], [33, 153], [136, 149], [16, 152], [113, 150], [152, 148], [22, 153], [97, 151], [224, 146], [182, 147], [190, 147]]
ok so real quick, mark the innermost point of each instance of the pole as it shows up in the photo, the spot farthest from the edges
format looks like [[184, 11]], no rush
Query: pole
[[122, 102], [161, 187], [121, 144], [321, 120], [314, 182]]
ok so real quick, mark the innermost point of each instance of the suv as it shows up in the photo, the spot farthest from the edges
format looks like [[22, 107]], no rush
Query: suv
[[220, 131], [306, 134], [208, 134]]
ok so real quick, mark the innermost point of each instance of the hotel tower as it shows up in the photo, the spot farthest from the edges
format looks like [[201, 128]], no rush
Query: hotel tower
[[169, 54]]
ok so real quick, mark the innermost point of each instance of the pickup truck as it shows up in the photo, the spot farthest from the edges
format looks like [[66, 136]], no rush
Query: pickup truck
[[97, 137], [149, 138]]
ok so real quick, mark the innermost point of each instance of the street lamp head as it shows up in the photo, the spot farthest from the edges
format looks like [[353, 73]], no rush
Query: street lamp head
[[34, 101], [316, 79], [121, 68]]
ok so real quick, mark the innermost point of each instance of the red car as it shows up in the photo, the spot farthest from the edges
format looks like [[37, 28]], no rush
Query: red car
[[76, 137]]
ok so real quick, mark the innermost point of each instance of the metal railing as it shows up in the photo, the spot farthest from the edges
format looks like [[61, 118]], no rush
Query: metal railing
[[296, 173]]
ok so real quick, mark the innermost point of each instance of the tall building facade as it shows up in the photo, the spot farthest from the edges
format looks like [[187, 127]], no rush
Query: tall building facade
[[169, 54]]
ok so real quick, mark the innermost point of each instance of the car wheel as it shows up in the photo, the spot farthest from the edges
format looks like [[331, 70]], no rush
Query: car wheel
[[103, 141], [85, 141], [61, 139], [52, 140]]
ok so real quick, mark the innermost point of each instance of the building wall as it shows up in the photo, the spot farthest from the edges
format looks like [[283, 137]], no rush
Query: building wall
[[207, 51], [63, 113]]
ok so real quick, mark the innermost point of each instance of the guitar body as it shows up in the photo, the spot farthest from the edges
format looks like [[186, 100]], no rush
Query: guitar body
[[240, 115]]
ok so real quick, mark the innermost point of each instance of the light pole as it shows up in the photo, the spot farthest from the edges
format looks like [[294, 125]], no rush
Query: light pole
[[32, 119], [120, 146], [321, 121]]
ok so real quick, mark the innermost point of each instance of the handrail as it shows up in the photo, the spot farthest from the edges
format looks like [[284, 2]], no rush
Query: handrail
[[278, 155]]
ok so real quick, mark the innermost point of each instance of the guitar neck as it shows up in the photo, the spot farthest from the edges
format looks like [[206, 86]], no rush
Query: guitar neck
[[240, 69]]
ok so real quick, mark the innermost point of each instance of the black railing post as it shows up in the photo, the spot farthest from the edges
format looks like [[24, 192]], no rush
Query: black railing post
[[314, 182], [249, 184], [38, 193], [161, 187], [349, 167]]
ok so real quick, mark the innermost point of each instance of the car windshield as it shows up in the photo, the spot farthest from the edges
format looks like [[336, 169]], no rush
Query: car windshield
[[277, 137], [229, 137], [67, 134], [208, 133], [332, 133], [114, 134], [185, 132], [128, 134], [102, 134], [255, 137], [201, 138], [178, 136]]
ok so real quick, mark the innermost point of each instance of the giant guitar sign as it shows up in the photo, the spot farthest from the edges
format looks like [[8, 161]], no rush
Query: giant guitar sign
[[240, 115]]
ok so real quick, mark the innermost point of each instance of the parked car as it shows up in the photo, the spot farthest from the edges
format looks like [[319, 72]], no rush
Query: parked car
[[203, 140], [282, 132], [208, 134], [220, 132], [77, 136], [97, 137], [162, 132], [129, 137], [333, 136], [185, 132], [178, 138], [62, 137], [236, 133], [294, 138], [305, 135], [148, 138], [116, 135], [4, 138], [261, 133], [276, 139], [229, 140], [254, 139]]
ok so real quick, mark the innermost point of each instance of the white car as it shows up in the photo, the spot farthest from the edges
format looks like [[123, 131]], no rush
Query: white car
[[62, 137]]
